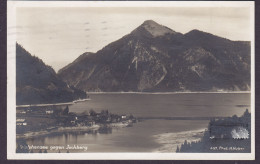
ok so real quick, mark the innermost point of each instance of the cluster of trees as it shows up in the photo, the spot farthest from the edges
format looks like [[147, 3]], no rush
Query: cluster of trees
[[59, 111], [88, 118], [186, 147], [221, 128], [219, 134]]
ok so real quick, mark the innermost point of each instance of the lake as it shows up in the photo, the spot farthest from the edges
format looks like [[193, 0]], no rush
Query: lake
[[151, 135]]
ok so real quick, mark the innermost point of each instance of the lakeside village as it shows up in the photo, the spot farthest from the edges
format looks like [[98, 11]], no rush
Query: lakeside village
[[34, 121]]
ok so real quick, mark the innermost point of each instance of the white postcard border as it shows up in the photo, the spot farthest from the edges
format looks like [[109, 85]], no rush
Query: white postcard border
[[11, 83]]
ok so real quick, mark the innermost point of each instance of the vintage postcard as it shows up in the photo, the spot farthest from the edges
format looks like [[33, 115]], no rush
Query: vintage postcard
[[131, 80]]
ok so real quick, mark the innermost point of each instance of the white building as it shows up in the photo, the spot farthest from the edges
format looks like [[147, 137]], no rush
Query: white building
[[49, 111]]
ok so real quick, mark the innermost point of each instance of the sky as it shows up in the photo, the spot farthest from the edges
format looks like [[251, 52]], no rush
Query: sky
[[59, 35]]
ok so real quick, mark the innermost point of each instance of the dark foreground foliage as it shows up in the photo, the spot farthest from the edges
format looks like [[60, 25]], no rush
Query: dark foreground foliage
[[231, 134]]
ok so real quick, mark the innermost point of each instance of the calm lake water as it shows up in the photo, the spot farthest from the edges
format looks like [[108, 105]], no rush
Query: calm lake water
[[154, 135]]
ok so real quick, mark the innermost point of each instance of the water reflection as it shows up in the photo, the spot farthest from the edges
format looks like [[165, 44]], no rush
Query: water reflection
[[105, 130]]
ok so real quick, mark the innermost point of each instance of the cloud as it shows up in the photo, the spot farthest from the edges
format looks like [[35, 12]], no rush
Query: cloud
[[15, 27], [119, 27], [15, 33]]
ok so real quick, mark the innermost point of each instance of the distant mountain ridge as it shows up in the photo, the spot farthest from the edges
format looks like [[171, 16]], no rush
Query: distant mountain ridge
[[37, 83], [154, 58]]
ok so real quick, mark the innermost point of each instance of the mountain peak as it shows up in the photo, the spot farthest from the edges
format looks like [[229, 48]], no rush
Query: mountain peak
[[197, 32], [156, 29], [150, 22], [143, 62], [201, 34]]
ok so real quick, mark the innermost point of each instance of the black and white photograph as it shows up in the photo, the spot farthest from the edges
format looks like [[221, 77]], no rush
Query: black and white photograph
[[147, 80]]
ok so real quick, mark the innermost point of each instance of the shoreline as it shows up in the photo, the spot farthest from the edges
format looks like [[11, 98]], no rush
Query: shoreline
[[41, 133], [29, 135], [54, 104], [141, 93], [168, 92], [170, 141]]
